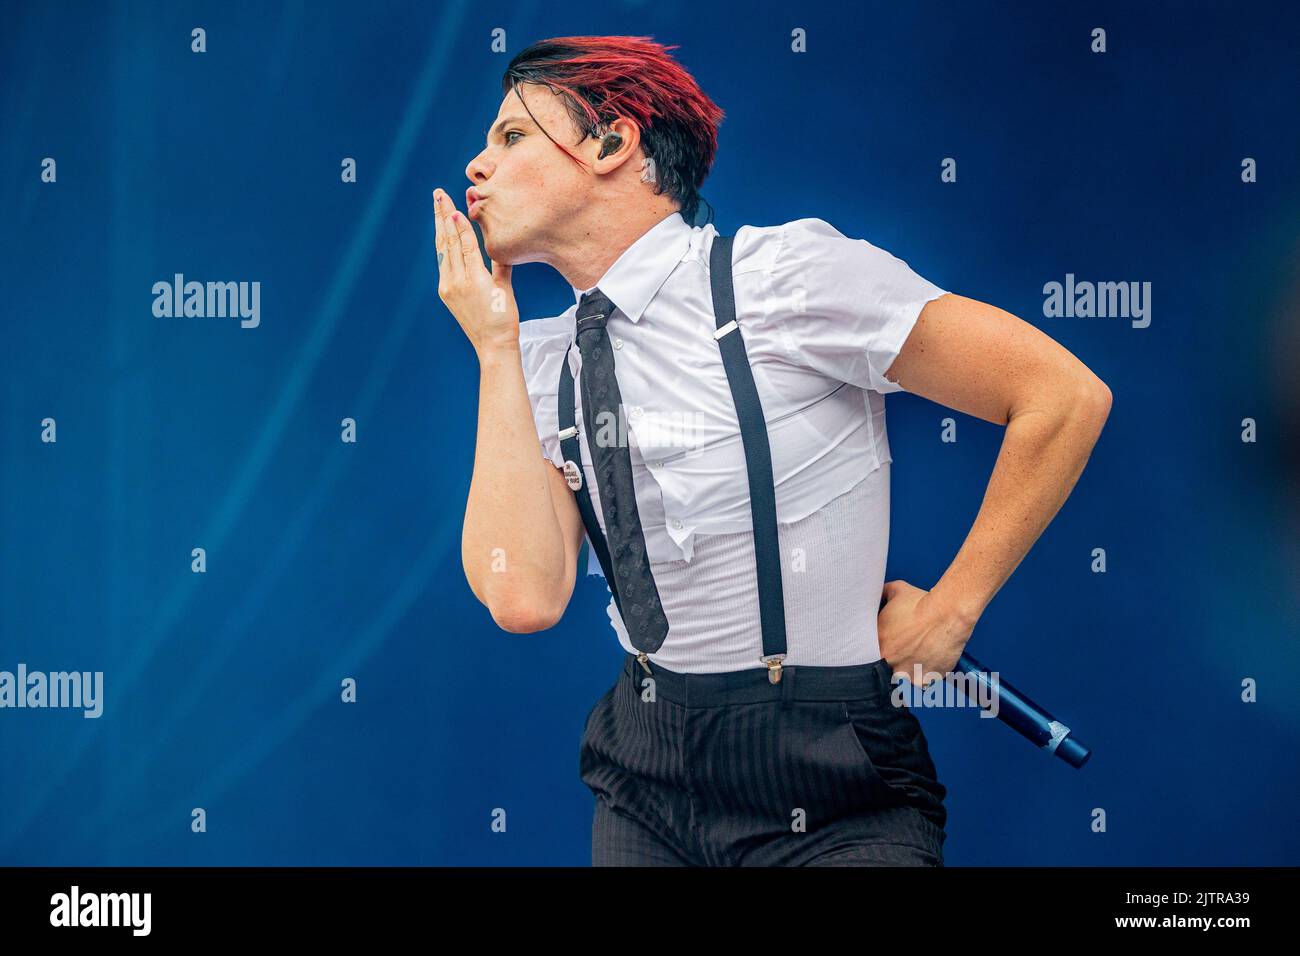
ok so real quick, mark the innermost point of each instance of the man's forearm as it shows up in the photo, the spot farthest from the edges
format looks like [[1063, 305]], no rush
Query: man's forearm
[[1044, 449], [511, 545]]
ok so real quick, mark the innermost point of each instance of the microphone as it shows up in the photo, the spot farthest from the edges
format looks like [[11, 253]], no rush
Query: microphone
[[1027, 718], [1021, 714]]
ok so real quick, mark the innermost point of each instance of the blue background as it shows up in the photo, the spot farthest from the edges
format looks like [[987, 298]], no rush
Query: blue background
[[328, 560]]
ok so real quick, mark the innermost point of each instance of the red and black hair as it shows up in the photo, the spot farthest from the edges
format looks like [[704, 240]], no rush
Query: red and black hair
[[634, 78]]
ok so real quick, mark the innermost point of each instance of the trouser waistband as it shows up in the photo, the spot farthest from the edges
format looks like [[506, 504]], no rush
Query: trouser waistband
[[798, 682]]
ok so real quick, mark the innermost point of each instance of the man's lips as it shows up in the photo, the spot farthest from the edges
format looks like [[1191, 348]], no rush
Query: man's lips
[[472, 199]]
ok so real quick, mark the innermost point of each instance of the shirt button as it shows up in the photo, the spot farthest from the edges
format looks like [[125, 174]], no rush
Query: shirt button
[[677, 525], [636, 411], [618, 343], [656, 464]]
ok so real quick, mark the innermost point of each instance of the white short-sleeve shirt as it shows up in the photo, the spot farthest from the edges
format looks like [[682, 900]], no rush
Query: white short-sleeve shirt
[[823, 317]]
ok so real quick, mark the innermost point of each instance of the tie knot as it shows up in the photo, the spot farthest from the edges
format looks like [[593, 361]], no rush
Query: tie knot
[[593, 309]]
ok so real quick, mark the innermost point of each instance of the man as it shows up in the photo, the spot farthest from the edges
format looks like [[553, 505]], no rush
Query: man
[[710, 749]]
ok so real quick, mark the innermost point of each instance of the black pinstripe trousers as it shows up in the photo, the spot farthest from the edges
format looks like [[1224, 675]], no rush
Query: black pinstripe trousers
[[731, 770]]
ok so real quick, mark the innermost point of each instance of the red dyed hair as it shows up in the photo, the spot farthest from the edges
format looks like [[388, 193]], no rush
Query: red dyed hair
[[634, 78]]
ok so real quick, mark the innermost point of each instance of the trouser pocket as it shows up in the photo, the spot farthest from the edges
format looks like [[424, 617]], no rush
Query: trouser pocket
[[891, 740]]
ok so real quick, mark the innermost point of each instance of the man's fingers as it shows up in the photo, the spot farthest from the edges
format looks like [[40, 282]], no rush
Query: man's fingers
[[437, 232], [450, 261], [440, 239], [470, 256], [451, 230]]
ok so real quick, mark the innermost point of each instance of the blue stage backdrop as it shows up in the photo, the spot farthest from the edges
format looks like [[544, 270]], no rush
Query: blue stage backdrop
[[128, 440]]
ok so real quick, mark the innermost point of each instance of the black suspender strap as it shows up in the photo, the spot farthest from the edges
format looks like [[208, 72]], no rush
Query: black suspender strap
[[758, 457], [758, 462], [572, 452]]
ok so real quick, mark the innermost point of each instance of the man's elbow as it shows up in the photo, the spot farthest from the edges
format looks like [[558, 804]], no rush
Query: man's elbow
[[525, 616], [1099, 398], [1092, 401]]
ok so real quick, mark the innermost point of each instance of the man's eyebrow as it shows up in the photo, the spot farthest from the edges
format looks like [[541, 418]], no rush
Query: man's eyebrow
[[502, 124]]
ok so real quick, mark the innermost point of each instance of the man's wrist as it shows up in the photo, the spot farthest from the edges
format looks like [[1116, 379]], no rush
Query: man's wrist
[[960, 604], [499, 353]]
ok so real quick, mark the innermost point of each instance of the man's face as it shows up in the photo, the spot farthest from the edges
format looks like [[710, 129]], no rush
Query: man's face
[[530, 188]]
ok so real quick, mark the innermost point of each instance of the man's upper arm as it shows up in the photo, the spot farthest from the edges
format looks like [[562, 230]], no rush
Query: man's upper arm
[[981, 360]]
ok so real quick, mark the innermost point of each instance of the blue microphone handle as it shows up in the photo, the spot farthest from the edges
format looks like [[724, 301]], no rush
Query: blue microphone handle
[[1025, 717]]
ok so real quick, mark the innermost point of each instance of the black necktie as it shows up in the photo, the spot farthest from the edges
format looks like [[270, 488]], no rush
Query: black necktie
[[601, 406]]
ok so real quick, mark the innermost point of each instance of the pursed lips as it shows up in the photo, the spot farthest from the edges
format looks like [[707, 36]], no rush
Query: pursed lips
[[472, 202]]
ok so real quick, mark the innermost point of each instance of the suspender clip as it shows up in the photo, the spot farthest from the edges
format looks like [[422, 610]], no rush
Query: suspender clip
[[773, 663], [642, 660]]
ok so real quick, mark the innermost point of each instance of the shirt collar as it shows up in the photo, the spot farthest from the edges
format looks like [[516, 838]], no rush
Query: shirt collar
[[636, 276]]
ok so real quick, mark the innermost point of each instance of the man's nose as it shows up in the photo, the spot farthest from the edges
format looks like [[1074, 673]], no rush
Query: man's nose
[[478, 170]]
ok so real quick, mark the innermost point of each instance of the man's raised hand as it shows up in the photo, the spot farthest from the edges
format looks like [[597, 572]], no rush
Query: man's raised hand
[[483, 302]]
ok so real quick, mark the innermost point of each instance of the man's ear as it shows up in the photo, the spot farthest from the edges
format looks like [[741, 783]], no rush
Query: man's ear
[[621, 140], [609, 143]]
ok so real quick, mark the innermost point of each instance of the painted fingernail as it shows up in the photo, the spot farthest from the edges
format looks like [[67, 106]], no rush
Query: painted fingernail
[[455, 217]]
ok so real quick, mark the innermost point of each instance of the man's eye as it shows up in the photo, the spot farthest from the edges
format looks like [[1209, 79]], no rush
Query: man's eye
[[513, 132]]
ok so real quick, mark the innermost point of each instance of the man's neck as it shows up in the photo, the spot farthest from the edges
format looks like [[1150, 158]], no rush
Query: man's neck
[[597, 246]]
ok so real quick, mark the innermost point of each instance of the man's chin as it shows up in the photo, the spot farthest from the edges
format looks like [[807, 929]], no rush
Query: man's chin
[[505, 253]]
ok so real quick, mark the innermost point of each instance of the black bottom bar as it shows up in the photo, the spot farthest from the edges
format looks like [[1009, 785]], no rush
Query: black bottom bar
[[338, 904]]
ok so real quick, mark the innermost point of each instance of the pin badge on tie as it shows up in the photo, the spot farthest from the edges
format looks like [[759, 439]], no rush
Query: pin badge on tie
[[573, 474]]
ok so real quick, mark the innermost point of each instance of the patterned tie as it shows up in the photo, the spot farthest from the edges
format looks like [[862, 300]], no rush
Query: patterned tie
[[601, 405]]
